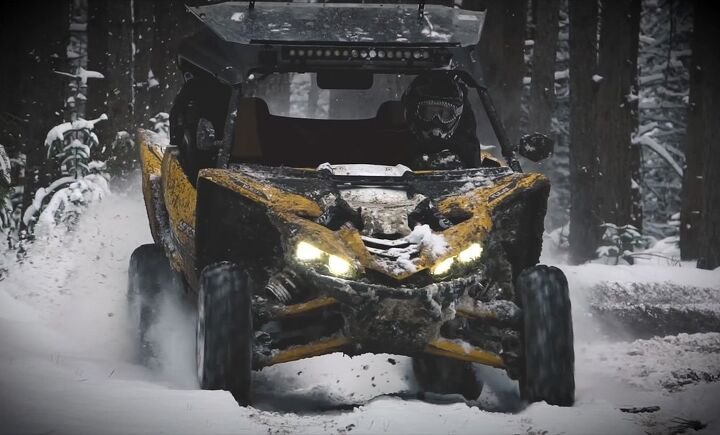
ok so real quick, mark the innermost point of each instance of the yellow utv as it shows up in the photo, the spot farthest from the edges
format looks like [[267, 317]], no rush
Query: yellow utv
[[285, 209]]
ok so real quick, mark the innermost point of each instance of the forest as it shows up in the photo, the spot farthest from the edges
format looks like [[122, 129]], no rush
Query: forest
[[626, 89], [352, 297]]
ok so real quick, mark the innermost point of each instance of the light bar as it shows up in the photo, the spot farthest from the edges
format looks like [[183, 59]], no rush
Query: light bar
[[360, 53]]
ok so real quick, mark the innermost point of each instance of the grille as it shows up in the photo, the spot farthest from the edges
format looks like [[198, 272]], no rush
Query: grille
[[391, 249]]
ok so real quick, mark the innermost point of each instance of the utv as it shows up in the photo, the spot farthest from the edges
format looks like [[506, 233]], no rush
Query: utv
[[283, 210]]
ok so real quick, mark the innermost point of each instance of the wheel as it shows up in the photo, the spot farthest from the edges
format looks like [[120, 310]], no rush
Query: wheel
[[197, 119], [148, 275], [224, 331], [549, 359], [436, 374]]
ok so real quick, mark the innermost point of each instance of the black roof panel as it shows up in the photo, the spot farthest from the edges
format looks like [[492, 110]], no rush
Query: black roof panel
[[394, 24]]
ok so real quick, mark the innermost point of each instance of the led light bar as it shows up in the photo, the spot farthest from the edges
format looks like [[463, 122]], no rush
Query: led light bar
[[373, 54]]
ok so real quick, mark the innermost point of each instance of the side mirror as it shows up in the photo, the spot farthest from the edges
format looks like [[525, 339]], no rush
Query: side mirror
[[536, 147]]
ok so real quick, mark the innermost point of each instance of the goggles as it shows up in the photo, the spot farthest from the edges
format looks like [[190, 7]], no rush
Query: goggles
[[444, 111]]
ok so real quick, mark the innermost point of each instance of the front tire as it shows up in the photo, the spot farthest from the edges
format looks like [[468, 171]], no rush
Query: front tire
[[224, 331], [549, 358], [149, 273]]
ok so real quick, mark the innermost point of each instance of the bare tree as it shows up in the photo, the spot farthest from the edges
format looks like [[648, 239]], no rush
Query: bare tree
[[501, 49], [143, 35], [692, 187], [172, 23], [110, 39], [114, 58], [97, 96], [706, 34], [542, 91], [617, 71], [584, 222]]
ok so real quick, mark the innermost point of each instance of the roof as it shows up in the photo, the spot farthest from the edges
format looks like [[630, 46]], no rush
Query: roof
[[391, 24]]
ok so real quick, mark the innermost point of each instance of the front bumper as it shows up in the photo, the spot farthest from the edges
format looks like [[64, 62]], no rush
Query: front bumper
[[397, 320]]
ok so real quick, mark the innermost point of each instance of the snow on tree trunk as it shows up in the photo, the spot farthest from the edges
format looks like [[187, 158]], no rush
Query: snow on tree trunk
[[647, 309], [584, 222], [617, 54], [708, 33]]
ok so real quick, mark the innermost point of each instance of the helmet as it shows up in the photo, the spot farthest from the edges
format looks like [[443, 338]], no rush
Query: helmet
[[433, 105]]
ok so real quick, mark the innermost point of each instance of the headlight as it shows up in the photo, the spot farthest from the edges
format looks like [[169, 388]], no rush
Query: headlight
[[468, 255], [472, 253], [306, 252], [443, 267], [338, 266]]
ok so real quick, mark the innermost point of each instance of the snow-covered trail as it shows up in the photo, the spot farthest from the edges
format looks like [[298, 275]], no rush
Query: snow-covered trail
[[65, 365]]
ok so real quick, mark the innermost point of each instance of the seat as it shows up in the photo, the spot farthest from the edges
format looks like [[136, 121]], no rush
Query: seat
[[276, 140]]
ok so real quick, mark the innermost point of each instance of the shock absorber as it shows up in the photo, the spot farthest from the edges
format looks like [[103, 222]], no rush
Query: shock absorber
[[283, 286]]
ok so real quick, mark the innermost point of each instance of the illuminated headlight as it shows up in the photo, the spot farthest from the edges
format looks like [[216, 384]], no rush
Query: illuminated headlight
[[468, 255], [306, 252], [338, 266], [443, 267], [472, 253]]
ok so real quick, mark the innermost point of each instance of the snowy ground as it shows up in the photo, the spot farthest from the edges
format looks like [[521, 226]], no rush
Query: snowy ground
[[64, 364]]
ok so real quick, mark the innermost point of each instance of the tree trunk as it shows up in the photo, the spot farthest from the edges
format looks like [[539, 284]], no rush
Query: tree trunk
[[119, 73], [707, 33], [692, 187], [501, 47], [143, 76], [97, 97], [44, 27], [636, 194], [584, 222], [614, 114], [542, 91], [172, 23]]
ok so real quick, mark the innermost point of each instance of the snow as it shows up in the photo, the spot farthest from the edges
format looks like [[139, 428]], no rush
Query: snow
[[65, 364], [647, 140], [365, 170], [58, 132], [83, 75], [435, 244]]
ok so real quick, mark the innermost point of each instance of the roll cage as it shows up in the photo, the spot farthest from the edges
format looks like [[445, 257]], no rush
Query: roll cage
[[242, 39]]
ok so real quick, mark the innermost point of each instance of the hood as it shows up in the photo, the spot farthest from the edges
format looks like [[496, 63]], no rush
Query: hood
[[387, 219]]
